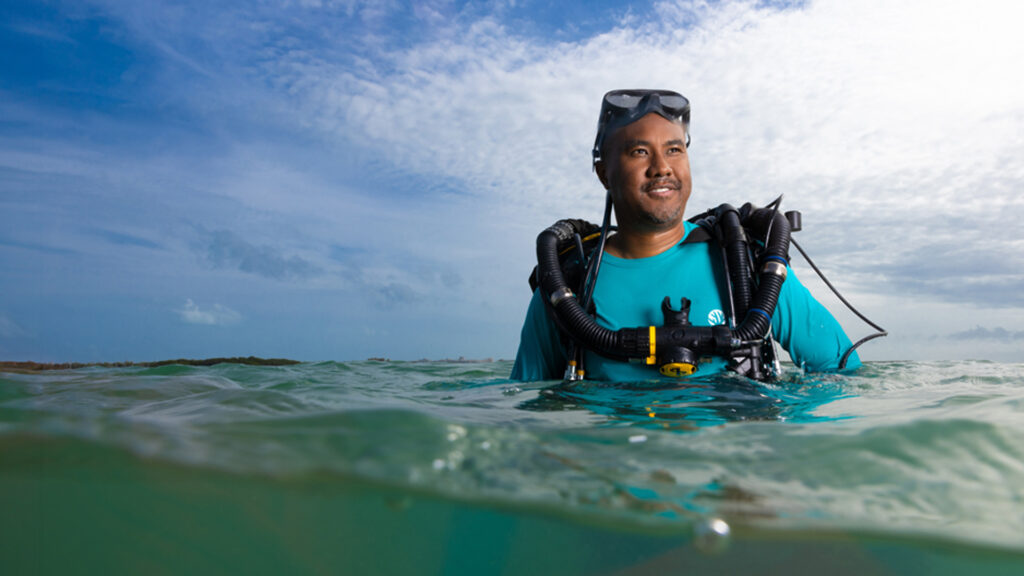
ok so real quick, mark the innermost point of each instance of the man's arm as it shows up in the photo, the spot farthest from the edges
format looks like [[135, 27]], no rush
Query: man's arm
[[808, 331], [541, 355]]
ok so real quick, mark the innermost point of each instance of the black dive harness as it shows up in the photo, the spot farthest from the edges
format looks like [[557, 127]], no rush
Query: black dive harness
[[755, 252], [676, 346]]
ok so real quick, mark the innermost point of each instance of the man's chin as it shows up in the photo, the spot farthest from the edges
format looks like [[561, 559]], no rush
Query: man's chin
[[663, 220]]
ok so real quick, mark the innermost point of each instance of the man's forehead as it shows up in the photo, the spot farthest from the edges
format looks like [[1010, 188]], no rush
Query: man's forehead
[[651, 129]]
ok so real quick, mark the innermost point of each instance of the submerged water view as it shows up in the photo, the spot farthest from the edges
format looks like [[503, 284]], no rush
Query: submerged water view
[[449, 468]]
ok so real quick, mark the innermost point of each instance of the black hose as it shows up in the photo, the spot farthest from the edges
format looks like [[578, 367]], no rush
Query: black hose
[[768, 222], [734, 241], [580, 325], [634, 342], [881, 331]]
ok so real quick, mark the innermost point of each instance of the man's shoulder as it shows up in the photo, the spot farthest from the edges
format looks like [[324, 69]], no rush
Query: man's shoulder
[[572, 262]]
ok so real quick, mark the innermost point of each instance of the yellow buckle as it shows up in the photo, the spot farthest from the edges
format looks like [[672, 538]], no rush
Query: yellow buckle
[[653, 358]]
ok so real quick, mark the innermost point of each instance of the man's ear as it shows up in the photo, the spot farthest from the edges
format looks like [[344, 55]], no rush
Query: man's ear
[[599, 168]]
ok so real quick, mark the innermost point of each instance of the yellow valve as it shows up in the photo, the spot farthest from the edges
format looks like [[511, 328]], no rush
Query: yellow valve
[[677, 369]]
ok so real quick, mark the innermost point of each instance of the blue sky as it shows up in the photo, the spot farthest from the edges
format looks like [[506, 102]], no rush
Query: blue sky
[[337, 180]]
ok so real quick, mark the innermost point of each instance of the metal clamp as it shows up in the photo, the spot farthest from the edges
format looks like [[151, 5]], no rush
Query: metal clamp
[[774, 267], [559, 295]]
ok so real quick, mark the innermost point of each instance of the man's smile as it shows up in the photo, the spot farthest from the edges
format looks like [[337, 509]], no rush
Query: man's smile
[[662, 187]]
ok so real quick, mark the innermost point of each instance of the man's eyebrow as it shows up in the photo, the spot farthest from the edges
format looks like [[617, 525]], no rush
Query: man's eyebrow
[[635, 143]]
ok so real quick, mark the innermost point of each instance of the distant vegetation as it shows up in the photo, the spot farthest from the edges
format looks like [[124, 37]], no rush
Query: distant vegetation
[[251, 360]]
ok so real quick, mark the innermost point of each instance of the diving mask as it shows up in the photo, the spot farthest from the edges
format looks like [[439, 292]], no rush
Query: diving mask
[[623, 107]]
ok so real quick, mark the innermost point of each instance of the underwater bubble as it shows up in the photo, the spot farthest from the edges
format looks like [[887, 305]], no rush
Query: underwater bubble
[[455, 432], [711, 536]]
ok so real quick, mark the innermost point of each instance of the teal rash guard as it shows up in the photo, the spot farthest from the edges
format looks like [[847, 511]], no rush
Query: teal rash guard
[[629, 293]]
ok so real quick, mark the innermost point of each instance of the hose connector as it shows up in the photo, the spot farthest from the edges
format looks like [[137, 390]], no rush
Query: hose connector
[[560, 294]]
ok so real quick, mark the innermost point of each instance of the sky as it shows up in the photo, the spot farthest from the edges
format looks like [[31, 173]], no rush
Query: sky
[[338, 180]]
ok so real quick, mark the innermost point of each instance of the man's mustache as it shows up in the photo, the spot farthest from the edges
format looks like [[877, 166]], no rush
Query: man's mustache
[[663, 183]]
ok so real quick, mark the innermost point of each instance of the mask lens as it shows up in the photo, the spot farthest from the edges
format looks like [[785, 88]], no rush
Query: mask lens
[[673, 101], [623, 100], [630, 99]]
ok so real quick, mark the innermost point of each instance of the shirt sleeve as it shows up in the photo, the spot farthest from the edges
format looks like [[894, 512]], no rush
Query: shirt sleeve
[[541, 355], [808, 331]]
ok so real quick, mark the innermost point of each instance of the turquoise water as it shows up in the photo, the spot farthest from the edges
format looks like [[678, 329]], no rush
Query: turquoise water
[[448, 468]]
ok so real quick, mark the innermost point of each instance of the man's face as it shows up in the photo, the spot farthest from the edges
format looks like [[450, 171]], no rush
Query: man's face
[[647, 171]]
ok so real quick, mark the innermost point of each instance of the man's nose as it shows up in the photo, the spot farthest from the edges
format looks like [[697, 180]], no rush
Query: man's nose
[[659, 166]]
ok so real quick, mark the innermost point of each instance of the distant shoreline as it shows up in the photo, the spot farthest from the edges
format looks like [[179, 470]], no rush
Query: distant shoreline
[[250, 360], [29, 366]]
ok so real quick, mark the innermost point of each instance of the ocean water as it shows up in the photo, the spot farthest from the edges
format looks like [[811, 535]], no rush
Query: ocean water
[[449, 468]]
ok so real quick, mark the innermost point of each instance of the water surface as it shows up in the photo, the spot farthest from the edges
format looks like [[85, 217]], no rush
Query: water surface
[[435, 467]]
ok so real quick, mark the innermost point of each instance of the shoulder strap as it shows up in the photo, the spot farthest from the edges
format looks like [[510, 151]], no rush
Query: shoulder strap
[[699, 234], [569, 255]]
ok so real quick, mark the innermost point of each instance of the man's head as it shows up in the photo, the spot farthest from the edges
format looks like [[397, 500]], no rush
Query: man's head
[[623, 107], [641, 159]]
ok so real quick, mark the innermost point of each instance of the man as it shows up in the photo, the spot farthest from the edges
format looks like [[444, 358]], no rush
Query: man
[[641, 158]]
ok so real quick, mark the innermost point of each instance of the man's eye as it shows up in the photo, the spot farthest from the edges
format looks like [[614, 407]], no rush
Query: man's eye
[[638, 152]]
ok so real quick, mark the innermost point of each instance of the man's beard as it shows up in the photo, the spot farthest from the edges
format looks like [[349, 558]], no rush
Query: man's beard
[[663, 218]]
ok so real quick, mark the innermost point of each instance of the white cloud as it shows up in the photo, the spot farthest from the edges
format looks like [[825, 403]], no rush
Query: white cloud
[[816, 102], [217, 315], [890, 119], [896, 127]]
